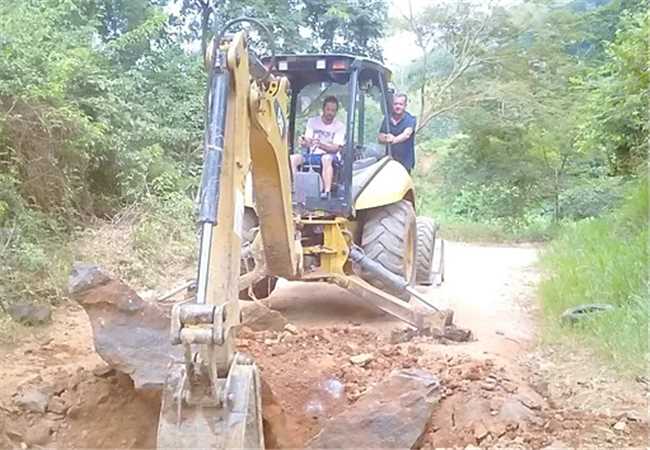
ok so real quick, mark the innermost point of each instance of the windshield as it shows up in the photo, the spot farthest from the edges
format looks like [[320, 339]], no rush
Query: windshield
[[309, 105]]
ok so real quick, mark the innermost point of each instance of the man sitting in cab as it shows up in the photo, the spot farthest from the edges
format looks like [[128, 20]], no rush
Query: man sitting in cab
[[321, 144]]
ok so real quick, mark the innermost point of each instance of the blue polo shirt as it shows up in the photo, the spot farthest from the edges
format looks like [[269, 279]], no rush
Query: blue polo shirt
[[404, 152]]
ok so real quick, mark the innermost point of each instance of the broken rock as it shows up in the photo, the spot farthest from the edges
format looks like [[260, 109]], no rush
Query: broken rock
[[103, 370], [362, 359], [33, 400], [123, 324], [453, 333], [57, 405], [38, 434], [258, 317], [393, 414], [480, 431]]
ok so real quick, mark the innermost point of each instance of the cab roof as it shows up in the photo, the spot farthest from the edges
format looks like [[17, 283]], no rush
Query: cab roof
[[304, 69]]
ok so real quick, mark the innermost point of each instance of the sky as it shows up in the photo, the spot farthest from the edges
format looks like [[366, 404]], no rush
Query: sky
[[399, 48]]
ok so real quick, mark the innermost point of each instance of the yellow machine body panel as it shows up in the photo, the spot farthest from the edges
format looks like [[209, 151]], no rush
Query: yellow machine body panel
[[271, 178], [391, 184]]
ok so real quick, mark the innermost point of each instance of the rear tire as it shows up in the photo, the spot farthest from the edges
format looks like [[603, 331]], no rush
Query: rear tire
[[263, 288], [389, 237], [427, 231]]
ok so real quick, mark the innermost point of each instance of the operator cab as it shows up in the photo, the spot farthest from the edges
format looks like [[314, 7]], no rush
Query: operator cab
[[361, 87]]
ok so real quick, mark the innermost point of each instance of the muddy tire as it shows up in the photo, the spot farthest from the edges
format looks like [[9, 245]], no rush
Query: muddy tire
[[427, 231], [389, 237], [263, 288]]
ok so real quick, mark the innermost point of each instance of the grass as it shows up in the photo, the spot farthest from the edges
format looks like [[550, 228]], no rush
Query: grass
[[150, 245], [603, 261]]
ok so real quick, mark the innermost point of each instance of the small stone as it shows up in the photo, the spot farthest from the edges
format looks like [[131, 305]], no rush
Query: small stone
[[75, 380], [57, 405], [497, 429], [33, 400], [634, 416], [103, 370], [362, 359], [74, 411], [620, 426], [291, 328], [258, 317], [530, 403], [38, 434], [399, 336], [480, 432], [488, 385], [279, 350], [30, 314], [289, 338], [350, 348], [14, 433], [245, 333], [556, 445], [414, 350], [245, 343], [23, 445]]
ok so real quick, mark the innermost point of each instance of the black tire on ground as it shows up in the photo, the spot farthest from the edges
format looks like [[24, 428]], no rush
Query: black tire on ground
[[427, 231], [263, 288], [389, 237]]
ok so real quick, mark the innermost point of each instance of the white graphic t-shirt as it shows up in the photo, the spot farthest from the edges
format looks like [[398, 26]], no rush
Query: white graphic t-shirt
[[332, 133]]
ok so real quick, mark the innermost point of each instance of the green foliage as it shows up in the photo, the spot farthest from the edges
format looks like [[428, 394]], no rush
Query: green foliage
[[163, 235], [312, 26], [617, 96], [34, 260], [604, 261], [565, 123]]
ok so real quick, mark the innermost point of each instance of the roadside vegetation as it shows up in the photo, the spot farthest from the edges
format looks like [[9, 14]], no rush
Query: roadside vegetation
[[604, 261]]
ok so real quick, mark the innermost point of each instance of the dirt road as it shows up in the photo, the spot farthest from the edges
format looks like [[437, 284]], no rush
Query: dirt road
[[500, 390]]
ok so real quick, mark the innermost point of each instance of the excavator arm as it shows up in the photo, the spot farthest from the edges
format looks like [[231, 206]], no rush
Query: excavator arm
[[211, 399]]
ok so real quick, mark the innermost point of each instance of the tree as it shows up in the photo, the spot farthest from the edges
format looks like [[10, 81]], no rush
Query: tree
[[297, 25], [455, 39], [617, 95]]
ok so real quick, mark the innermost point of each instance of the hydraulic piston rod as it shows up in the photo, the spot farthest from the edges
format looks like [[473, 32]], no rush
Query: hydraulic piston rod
[[396, 282]]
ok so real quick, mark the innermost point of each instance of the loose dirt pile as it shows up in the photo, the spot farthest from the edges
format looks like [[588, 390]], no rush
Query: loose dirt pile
[[84, 409], [315, 373]]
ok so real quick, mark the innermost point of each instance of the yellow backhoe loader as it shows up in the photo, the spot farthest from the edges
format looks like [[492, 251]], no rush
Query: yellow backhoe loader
[[258, 222]]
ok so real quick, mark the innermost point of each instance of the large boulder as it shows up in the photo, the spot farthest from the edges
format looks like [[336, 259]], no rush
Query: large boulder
[[131, 335], [393, 414]]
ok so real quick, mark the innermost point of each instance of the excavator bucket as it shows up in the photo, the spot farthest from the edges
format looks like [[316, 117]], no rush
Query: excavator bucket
[[234, 421], [132, 335]]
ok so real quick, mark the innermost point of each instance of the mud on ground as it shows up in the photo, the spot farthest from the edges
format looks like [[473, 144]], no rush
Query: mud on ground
[[497, 391]]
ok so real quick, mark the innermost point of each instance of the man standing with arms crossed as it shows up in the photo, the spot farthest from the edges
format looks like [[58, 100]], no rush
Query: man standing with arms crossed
[[400, 133]]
